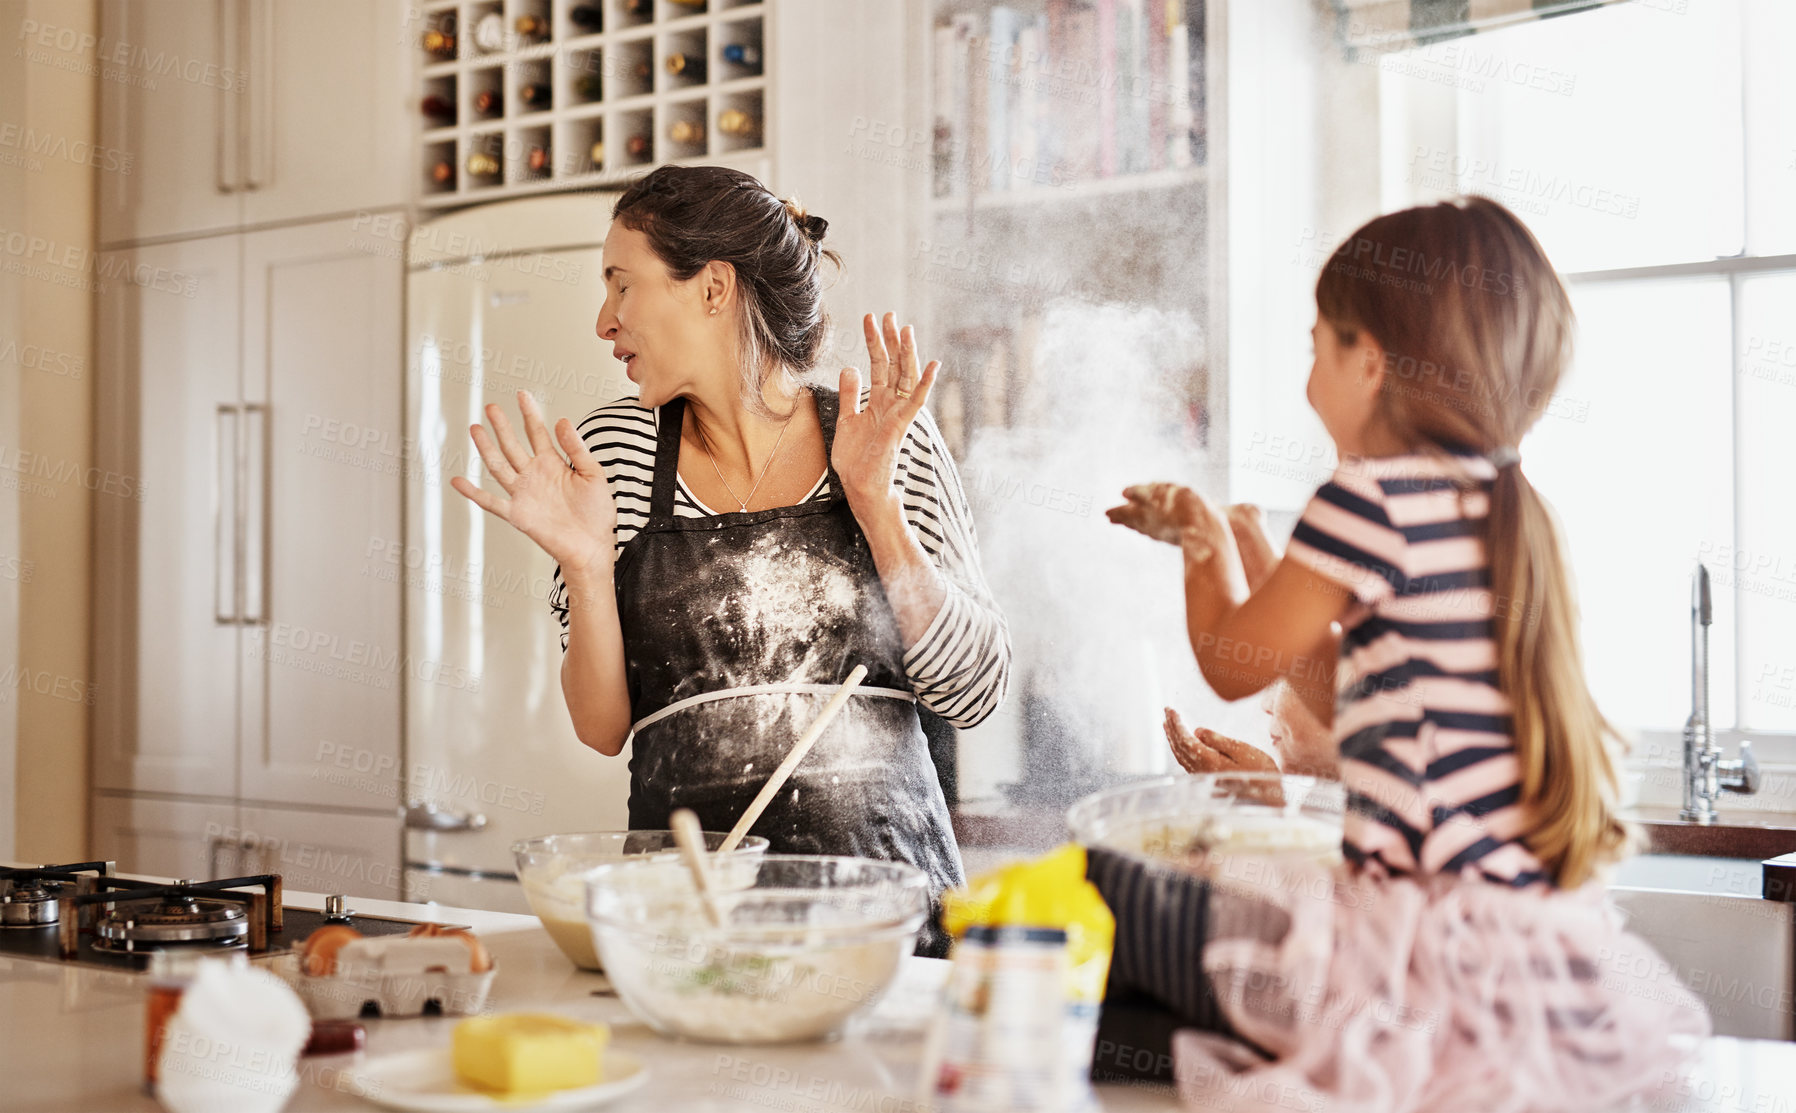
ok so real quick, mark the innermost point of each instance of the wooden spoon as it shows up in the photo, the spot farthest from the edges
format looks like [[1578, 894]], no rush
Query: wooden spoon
[[690, 838], [801, 748]]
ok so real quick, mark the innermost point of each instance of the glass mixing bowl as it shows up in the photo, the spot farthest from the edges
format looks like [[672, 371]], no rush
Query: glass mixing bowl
[[1190, 819], [553, 868], [810, 943]]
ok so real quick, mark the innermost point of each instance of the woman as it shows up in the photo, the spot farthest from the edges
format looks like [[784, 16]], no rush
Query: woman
[[732, 543]]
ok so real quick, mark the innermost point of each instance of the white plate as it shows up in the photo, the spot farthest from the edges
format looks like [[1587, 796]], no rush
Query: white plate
[[425, 1081]]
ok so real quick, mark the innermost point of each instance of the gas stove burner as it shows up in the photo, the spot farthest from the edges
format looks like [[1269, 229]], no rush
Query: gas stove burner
[[175, 919], [102, 920], [31, 904], [31, 896]]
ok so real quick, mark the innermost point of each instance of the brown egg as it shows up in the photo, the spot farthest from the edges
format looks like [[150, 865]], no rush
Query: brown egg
[[480, 960], [319, 952]]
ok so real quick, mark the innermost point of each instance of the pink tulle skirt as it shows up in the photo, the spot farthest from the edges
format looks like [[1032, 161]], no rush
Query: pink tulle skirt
[[1391, 995]]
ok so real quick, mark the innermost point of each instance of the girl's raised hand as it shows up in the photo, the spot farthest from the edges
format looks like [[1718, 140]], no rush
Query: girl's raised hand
[[1176, 515], [1204, 751], [563, 503], [1258, 557], [865, 453]]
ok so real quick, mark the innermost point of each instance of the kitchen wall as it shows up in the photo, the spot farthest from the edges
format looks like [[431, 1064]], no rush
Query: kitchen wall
[[47, 127]]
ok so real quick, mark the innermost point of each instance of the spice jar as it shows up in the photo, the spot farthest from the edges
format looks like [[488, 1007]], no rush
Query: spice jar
[[169, 972]]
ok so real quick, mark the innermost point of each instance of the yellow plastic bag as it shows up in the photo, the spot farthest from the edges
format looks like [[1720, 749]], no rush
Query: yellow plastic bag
[[1049, 892]]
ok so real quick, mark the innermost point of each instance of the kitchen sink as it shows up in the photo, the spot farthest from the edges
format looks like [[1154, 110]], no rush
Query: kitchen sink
[[1705, 915], [1692, 873]]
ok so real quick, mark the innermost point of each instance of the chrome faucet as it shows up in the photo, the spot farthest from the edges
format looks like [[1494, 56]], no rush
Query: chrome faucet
[[1706, 774]]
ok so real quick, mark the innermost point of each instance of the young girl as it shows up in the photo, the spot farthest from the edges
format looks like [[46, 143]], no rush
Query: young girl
[[1465, 957]]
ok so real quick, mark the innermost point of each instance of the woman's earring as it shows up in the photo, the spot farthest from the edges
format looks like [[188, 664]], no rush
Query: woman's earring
[[714, 312]]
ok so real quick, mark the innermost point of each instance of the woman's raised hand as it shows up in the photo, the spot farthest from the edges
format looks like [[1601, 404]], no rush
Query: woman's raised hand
[[562, 503], [865, 453]]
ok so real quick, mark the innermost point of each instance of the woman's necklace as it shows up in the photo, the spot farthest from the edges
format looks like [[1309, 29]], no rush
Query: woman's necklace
[[705, 443]]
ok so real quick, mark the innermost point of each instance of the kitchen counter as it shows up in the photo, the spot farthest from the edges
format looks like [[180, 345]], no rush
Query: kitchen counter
[[1739, 833], [74, 1043], [74, 1037]]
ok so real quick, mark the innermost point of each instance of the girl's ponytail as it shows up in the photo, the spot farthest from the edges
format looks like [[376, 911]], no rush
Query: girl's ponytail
[[1568, 774]]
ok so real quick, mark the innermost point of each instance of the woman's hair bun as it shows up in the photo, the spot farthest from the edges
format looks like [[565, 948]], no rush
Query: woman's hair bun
[[812, 226]]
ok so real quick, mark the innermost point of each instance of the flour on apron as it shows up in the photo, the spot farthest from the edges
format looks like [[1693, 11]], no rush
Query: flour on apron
[[736, 629]]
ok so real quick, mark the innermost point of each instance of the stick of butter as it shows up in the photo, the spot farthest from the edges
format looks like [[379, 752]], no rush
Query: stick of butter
[[513, 1053]]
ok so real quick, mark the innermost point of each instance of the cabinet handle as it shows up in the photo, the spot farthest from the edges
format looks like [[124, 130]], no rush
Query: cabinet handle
[[260, 17], [227, 603], [227, 121], [213, 845], [429, 817], [257, 489]]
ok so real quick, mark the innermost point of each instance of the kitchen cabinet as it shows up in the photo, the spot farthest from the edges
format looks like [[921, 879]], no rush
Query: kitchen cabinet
[[166, 838], [176, 118], [166, 652], [322, 852], [245, 112], [322, 657], [330, 115], [249, 408]]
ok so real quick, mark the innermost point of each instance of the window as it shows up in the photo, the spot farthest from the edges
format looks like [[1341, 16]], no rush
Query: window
[[1652, 148]]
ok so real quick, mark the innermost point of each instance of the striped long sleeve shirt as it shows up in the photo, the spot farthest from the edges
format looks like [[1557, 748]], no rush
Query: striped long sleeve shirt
[[960, 667], [1424, 730]]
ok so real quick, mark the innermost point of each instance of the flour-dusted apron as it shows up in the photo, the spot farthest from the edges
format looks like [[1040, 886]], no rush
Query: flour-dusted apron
[[736, 629]]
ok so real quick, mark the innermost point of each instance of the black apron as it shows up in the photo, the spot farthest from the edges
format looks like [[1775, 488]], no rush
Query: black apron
[[736, 630]]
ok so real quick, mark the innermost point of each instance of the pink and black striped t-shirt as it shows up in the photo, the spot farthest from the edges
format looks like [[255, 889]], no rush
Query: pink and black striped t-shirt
[[1427, 754]]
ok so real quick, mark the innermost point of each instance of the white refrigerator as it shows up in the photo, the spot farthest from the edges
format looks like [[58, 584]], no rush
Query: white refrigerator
[[499, 298]]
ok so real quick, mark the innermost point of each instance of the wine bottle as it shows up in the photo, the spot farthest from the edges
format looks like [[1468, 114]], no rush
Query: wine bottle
[[588, 16], [482, 165], [690, 3], [443, 172], [642, 70], [589, 87], [535, 94], [532, 27], [489, 102], [734, 121], [637, 146], [439, 44], [538, 159], [597, 153], [686, 65], [644, 9], [687, 131], [743, 54], [437, 108], [489, 33]]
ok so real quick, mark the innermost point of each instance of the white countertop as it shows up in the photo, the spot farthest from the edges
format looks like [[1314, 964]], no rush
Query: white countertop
[[73, 1043]]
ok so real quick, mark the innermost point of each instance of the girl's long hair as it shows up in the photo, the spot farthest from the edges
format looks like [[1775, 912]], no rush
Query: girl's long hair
[[1477, 330]]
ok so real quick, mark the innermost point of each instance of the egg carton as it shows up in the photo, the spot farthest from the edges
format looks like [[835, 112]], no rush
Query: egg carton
[[399, 976]]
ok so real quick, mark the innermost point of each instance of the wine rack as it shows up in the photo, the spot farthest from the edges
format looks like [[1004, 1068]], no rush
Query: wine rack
[[524, 96]]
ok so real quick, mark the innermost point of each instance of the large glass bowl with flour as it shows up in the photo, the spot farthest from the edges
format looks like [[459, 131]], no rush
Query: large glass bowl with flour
[[792, 957], [552, 870], [1195, 820]]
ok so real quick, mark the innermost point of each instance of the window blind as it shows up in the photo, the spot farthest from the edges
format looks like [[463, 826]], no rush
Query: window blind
[[1381, 26]]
